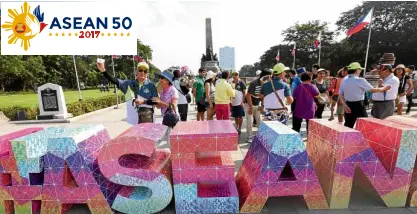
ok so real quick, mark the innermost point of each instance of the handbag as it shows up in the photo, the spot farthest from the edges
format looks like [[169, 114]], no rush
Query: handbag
[[170, 117], [323, 99], [280, 115], [188, 96]]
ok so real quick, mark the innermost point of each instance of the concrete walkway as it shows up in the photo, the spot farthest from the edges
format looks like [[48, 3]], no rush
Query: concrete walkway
[[115, 122]]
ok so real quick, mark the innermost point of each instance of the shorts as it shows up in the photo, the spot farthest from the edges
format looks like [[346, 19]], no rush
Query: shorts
[[201, 108], [208, 106], [340, 110], [238, 111], [335, 98]]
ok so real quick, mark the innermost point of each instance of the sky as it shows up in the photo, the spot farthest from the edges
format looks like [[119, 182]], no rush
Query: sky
[[176, 29]]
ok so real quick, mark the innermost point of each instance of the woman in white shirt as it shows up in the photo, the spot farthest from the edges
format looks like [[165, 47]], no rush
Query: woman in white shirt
[[183, 93]]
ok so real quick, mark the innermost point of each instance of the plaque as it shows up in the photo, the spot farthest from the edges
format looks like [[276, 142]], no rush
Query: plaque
[[49, 100]]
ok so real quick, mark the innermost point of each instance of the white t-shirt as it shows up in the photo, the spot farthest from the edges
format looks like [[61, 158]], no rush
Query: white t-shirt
[[181, 96], [239, 88], [391, 94]]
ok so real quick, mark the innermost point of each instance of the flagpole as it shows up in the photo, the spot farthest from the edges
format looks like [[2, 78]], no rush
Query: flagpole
[[369, 39], [134, 67], [115, 88], [78, 82], [293, 60], [319, 49]]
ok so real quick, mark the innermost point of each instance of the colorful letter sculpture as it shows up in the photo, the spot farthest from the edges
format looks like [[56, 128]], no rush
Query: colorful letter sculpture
[[384, 151], [12, 184], [202, 167], [132, 160], [412, 194], [277, 164], [67, 177]]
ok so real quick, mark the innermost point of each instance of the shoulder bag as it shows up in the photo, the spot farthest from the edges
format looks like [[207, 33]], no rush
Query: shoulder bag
[[187, 96], [170, 117], [323, 99], [280, 115]]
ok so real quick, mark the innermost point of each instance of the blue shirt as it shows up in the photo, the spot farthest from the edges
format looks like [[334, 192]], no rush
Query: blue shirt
[[353, 88], [295, 82], [270, 99], [146, 91]]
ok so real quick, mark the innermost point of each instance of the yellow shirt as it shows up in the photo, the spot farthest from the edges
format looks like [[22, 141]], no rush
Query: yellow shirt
[[224, 92]]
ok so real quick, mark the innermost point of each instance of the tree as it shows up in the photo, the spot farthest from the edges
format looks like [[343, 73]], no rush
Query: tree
[[247, 71], [304, 35], [393, 30]]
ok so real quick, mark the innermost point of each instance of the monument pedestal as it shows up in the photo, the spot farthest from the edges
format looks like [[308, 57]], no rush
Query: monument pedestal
[[211, 65], [51, 102]]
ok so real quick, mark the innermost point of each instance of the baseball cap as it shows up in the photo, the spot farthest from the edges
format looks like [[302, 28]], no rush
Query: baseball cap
[[258, 72], [383, 67], [301, 70], [143, 65], [355, 66], [278, 68], [287, 68]]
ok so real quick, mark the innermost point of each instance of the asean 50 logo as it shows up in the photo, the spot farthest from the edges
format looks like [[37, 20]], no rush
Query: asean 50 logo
[[25, 25]]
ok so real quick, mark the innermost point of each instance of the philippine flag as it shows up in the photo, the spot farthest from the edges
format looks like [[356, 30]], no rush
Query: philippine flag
[[278, 57], [317, 42], [293, 50], [362, 23]]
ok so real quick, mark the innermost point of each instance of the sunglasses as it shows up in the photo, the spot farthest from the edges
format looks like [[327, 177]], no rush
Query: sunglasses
[[235, 74], [384, 67], [140, 70]]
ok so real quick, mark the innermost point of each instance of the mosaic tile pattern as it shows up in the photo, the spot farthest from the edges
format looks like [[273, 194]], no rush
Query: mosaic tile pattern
[[277, 164], [68, 178], [412, 194], [11, 184], [202, 167], [133, 160], [383, 150]]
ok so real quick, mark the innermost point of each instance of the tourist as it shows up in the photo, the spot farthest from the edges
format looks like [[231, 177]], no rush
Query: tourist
[[253, 103], [182, 85], [224, 92], [305, 95], [352, 94], [295, 83], [314, 70], [198, 93], [273, 94], [209, 92], [144, 90], [323, 98], [258, 73], [169, 95], [384, 102], [413, 77], [335, 96], [406, 87], [237, 102]]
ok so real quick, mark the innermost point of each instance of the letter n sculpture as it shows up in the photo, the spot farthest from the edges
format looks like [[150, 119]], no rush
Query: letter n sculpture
[[202, 167], [277, 164]]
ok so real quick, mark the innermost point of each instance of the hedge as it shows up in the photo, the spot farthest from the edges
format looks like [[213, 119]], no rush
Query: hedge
[[76, 108]]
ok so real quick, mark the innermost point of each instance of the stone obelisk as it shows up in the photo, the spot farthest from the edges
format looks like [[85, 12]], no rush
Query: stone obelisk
[[209, 61]]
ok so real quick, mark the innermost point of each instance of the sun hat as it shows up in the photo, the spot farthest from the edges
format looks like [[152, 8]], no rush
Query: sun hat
[[143, 65], [355, 66], [167, 75], [400, 66], [258, 72], [321, 69], [301, 70], [210, 74], [278, 68]]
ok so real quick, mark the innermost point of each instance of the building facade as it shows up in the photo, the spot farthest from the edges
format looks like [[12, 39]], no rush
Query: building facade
[[227, 58]]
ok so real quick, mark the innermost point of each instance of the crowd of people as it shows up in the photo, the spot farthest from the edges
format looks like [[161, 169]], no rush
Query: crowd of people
[[222, 95]]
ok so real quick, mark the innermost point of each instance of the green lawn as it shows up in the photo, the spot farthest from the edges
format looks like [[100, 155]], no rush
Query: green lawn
[[31, 100]]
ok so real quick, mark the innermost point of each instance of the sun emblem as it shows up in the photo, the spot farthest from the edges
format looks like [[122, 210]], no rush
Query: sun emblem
[[25, 25]]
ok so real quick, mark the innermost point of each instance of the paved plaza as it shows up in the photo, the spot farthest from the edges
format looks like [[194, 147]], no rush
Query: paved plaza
[[115, 122]]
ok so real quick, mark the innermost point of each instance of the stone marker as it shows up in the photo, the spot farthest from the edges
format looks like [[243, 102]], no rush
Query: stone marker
[[51, 102]]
